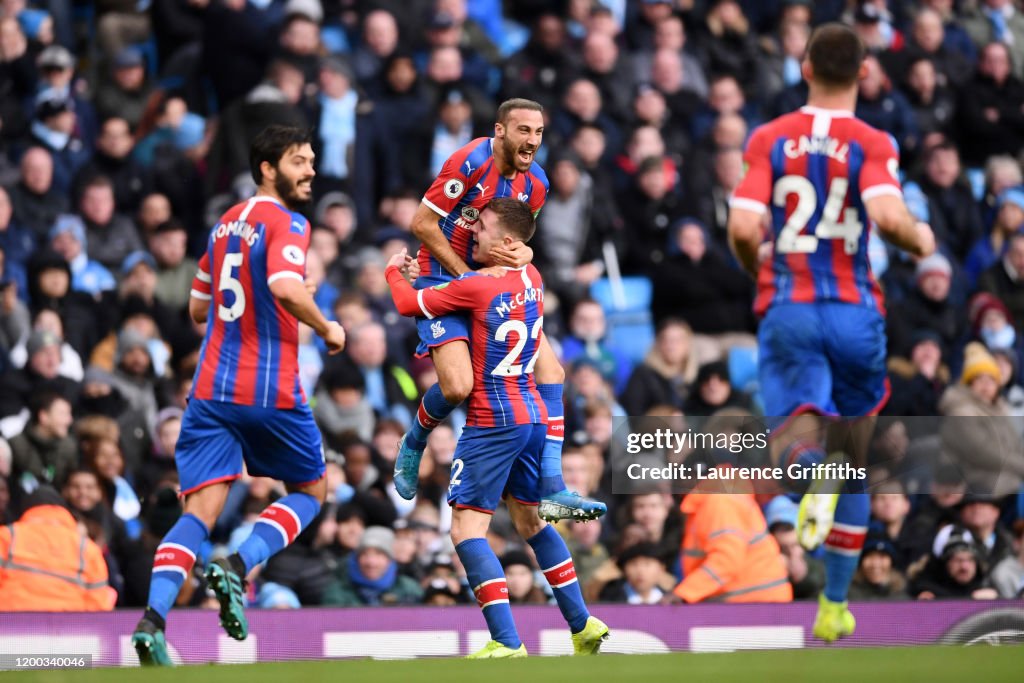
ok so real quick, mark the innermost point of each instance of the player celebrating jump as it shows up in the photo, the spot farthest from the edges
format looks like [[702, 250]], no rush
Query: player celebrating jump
[[247, 404], [486, 168], [825, 177], [500, 448]]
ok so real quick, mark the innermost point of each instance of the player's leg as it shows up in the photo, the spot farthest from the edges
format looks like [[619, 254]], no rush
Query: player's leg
[[480, 469], [283, 445], [552, 554], [454, 384], [860, 390], [557, 501], [208, 457]]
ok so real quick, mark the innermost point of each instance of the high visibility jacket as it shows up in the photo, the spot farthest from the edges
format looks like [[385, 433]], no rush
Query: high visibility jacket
[[48, 565], [728, 554]]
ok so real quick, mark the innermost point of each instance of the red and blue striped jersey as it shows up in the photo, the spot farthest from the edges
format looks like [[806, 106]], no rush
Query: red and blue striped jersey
[[506, 321], [814, 168], [250, 353], [468, 180]]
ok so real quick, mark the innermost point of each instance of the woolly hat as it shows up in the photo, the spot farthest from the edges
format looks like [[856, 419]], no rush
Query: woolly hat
[[978, 361]]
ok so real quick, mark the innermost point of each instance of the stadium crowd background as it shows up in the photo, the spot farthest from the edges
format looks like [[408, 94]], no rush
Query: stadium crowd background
[[124, 131]]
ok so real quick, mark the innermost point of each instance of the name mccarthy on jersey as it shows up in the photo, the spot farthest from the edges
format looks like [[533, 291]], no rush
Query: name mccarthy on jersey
[[511, 302]]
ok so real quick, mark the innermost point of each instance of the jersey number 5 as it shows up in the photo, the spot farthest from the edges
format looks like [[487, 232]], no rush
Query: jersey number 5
[[791, 241], [508, 366], [227, 282]]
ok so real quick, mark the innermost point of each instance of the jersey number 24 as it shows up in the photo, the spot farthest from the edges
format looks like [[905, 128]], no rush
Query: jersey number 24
[[791, 239]]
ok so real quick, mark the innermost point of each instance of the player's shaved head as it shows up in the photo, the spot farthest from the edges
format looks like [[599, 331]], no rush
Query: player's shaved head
[[836, 54], [514, 217], [508, 106]]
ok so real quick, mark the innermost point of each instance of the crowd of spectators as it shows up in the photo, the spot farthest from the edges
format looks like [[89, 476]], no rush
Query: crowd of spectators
[[124, 132]]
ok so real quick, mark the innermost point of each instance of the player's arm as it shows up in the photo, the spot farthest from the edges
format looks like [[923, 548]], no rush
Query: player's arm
[[427, 229], [202, 292], [883, 199], [439, 200], [750, 201], [286, 271], [457, 295]]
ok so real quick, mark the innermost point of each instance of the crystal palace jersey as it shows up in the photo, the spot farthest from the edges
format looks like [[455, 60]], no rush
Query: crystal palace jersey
[[466, 183], [814, 168], [507, 318], [250, 354]]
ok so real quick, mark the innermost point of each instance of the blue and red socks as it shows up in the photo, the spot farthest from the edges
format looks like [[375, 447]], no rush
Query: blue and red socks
[[846, 539], [173, 562], [551, 481], [487, 579], [556, 563], [433, 410], [276, 527]]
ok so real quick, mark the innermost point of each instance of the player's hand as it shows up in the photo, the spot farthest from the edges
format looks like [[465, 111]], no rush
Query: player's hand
[[410, 269], [335, 338], [925, 240], [398, 260], [515, 256]]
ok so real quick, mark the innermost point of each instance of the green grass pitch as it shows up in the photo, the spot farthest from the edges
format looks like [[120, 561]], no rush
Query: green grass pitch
[[925, 664]]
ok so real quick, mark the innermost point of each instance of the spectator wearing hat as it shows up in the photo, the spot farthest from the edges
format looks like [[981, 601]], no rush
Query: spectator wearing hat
[[50, 287], [991, 322], [917, 382], [957, 571], [370, 575], [47, 320], [522, 585], [443, 571], [41, 374], [877, 578], [712, 391], [54, 128], [1009, 218], [67, 237], [927, 307], [988, 451], [126, 93], [110, 236], [1005, 278], [644, 580], [890, 509], [49, 564], [56, 67], [113, 158], [46, 452], [979, 514], [341, 405], [806, 573]]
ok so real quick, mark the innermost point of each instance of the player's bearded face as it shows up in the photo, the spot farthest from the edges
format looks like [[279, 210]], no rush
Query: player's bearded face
[[521, 139], [294, 190]]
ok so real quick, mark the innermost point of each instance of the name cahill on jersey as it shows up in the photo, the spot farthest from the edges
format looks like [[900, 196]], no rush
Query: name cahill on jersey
[[528, 295], [829, 146], [239, 228]]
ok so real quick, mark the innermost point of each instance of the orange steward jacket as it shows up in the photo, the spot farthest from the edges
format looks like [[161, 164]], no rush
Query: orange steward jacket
[[728, 554], [48, 565]]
